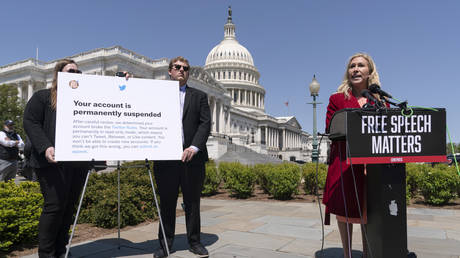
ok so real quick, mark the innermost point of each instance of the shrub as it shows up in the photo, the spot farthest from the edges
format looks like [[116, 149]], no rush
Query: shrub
[[224, 169], [438, 185], [413, 176], [408, 193], [261, 170], [212, 179], [309, 176], [136, 197], [20, 209], [239, 179], [283, 180]]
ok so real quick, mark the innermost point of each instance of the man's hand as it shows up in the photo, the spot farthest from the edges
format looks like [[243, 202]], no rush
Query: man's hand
[[49, 155], [188, 154], [125, 74]]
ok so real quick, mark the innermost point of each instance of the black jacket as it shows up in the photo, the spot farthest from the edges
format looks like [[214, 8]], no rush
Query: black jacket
[[196, 122], [40, 126]]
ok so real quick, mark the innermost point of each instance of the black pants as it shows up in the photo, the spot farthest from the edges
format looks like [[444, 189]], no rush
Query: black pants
[[61, 186], [169, 175]]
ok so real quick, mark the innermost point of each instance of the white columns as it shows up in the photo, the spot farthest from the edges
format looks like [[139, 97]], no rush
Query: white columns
[[221, 118], [277, 136], [266, 136], [240, 94], [212, 107], [284, 139], [271, 137], [228, 125], [30, 90], [269, 144], [20, 93], [214, 115]]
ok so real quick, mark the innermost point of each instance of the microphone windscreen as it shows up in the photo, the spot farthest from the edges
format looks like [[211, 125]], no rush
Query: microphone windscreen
[[374, 88], [365, 93]]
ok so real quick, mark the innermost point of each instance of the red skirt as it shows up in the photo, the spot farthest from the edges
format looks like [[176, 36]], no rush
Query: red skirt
[[344, 192]]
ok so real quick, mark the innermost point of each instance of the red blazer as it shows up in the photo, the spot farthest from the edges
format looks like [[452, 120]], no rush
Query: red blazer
[[336, 197]]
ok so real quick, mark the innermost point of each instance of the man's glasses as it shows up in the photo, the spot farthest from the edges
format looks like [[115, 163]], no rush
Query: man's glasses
[[76, 71], [177, 67]]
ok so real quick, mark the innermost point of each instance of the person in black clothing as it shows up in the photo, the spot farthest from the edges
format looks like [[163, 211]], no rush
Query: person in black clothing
[[10, 142], [60, 183], [188, 173]]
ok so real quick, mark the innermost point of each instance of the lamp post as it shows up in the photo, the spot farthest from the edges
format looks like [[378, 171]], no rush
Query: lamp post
[[314, 89]]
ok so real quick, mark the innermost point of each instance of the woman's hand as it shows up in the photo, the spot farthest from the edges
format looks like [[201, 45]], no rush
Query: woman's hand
[[49, 155]]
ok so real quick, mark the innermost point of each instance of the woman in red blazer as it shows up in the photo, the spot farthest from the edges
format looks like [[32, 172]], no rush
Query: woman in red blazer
[[342, 187]]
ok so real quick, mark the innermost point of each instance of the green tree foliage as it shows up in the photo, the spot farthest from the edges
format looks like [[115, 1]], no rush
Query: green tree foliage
[[449, 147], [11, 107]]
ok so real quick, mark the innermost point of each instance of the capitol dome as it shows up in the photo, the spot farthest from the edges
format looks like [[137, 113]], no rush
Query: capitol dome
[[229, 50], [232, 64]]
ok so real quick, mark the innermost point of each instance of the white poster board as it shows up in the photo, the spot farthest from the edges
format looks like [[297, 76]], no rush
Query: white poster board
[[111, 118]]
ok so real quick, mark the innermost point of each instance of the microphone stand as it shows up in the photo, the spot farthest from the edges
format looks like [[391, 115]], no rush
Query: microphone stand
[[401, 105]]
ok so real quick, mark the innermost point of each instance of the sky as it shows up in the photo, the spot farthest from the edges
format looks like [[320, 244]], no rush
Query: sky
[[415, 44]]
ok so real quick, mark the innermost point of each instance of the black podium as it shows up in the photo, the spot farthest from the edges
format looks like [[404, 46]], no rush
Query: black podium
[[385, 140]]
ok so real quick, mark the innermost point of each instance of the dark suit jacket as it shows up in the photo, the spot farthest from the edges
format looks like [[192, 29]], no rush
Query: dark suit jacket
[[196, 122], [40, 126]]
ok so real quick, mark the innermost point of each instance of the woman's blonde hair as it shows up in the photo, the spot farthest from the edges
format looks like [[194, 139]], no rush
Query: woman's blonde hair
[[58, 68], [346, 86]]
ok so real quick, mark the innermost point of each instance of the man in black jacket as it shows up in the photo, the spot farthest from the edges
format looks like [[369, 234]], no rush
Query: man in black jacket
[[10, 142], [189, 172]]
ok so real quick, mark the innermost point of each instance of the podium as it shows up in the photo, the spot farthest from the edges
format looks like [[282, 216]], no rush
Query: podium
[[385, 140]]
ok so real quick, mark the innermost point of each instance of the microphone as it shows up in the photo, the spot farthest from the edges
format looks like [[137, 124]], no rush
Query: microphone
[[374, 88], [367, 94]]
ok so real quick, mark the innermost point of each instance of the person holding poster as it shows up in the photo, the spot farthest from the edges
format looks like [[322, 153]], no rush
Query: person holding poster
[[189, 172], [60, 183], [340, 196]]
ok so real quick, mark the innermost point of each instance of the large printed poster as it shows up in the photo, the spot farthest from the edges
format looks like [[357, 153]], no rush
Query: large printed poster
[[112, 118]]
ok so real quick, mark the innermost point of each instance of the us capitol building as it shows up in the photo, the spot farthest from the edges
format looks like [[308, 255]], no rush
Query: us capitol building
[[229, 77]]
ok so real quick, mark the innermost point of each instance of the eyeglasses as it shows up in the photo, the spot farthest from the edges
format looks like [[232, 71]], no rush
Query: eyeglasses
[[177, 67], [73, 71]]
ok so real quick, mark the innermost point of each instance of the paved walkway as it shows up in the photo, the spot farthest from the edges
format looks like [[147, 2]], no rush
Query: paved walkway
[[239, 228]]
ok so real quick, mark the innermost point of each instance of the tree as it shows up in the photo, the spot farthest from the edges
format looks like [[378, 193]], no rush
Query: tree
[[449, 148], [11, 107]]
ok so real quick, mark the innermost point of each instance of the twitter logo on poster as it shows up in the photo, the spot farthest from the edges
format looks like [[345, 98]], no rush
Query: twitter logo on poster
[[122, 87]]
